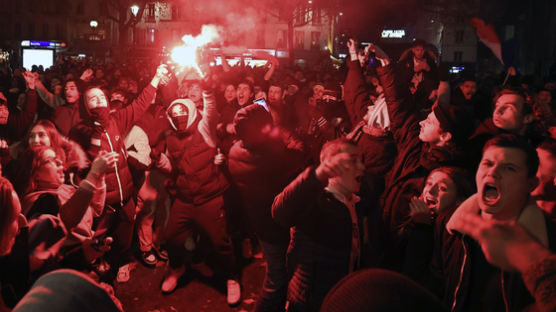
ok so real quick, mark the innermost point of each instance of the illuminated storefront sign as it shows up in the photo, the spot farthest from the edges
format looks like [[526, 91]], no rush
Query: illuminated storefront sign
[[42, 44], [393, 33]]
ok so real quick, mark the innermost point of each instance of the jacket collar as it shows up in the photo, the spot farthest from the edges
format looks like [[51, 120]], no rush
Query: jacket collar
[[353, 199], [531, 218]]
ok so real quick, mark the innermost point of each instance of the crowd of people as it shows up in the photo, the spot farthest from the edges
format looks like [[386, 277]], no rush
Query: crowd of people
[[356, 182]]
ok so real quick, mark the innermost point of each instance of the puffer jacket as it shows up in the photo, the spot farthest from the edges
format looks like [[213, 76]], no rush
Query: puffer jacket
[[196, 179]]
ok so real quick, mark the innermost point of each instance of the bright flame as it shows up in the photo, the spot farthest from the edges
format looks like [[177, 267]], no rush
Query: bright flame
[[186, 55]]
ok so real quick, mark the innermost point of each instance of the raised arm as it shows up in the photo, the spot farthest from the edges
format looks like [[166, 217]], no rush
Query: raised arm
[[355, 95], [211, 117], [127, 116], [397, 98], [19, 122], [273, 64], [45, 95], [295, 201], [92, 187]]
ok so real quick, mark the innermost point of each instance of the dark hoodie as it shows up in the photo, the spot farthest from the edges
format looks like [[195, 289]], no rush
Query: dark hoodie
[[261, 171]]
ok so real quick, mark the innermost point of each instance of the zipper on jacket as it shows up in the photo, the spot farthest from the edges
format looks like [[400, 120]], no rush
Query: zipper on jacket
[[460, 275], [116, 170], [506, 306]]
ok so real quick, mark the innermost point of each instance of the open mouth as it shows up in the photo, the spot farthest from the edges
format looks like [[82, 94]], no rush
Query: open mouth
[[431, 202], [491, 194], [359, 179], [497, 120]]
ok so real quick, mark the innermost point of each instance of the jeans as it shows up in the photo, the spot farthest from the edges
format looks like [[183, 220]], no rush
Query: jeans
[[153, 207], [275, 285]]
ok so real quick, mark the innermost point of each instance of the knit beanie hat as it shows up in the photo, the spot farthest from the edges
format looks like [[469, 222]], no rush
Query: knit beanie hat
[[457, 120]]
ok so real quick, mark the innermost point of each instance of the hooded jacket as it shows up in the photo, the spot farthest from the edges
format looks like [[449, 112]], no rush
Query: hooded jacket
[[94, 137], [195, 177]]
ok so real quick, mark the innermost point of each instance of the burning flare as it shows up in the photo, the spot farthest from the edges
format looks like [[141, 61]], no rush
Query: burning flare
[[186, 55]]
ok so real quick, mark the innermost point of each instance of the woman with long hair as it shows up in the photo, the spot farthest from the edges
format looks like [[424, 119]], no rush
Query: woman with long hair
[[44, 133], [72, 208]]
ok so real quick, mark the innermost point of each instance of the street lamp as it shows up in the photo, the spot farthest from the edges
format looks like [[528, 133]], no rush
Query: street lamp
[[93, 24], [134, 10]]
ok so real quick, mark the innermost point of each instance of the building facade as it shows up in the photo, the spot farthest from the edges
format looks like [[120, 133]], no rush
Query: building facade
[[163, 24], [56, 21]]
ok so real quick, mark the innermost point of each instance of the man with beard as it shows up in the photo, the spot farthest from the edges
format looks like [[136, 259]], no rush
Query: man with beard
[[99, 130]]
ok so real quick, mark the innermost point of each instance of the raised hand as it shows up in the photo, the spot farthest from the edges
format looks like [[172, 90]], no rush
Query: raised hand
[[96, 248], [419, 211], [505, 244], [379, 54], [30, 79], [162, 76], [333, 166], [4, 148], [219, 158], [162, 71], [87, 75], [352, 46], [100, 165]]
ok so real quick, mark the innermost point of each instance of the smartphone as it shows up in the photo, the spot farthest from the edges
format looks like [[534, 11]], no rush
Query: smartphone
[[372, 60], [262, 102]]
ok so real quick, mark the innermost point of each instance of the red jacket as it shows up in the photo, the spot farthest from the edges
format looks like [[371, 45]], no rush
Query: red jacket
[[94, 138]]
